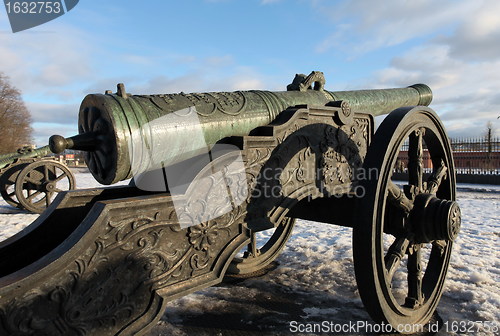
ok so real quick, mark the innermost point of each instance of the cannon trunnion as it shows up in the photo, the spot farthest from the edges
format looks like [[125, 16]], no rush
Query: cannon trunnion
[[127, 251]]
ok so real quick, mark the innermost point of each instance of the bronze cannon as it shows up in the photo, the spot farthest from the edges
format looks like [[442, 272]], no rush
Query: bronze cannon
[[209, 171], [29, 180]]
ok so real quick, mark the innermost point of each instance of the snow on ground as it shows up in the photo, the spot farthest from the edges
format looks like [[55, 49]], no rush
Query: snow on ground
[[13, 220], [314, 280]]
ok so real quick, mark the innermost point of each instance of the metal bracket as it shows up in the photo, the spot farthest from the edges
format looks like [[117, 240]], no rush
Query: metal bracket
[[303, 83]]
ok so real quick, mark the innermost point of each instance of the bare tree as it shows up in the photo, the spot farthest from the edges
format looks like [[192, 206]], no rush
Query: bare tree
[[15, 119], [490, 131], [489, 141]]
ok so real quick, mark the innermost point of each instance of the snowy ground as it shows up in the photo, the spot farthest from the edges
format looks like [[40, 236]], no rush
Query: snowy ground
[[314, 280]]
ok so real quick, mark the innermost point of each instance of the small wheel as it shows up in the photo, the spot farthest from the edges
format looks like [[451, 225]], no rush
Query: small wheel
[[403, 238], [264, 248], [39, 182], [8, 182]]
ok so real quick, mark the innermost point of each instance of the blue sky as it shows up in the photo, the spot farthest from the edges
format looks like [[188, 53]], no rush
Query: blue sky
[[206, 45]]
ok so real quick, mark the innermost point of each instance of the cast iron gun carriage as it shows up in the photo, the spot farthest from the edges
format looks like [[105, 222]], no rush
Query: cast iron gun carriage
[[30, 181], [212, 169]]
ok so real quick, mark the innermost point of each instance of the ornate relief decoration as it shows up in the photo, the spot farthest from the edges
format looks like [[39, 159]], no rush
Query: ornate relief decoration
[[312, 158], [130, 253], [341, 155], [230, 103], [133, 250]]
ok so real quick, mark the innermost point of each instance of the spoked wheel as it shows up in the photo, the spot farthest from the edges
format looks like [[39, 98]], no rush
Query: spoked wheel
[[264, 248], [403, 237], [8, 183], [39, 182]]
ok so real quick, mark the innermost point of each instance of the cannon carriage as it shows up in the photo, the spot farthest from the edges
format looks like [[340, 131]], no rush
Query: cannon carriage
[[210, 171], [29, 180]]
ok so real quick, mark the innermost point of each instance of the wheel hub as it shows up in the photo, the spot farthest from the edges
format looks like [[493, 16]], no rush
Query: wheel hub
[[435, 219], [49, 186]]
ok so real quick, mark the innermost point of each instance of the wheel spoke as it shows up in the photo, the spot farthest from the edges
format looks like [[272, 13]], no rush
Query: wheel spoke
[[52, 172], [30, 197], [415, 296], [60, 177], [406, 285], [397, 197], [394, 256], [38, 186], [48, 197], [435, 179], [99, 160], [252, 246], [46, 172], [416, 159]]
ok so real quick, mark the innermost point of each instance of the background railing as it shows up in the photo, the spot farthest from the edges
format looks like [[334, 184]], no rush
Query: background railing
[[477, 160]]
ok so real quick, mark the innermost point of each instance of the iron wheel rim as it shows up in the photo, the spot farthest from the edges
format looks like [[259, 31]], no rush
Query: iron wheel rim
[[370, 255]]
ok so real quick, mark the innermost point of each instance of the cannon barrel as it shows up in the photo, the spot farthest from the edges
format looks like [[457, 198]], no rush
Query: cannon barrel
[[123, 134], [7, 159]]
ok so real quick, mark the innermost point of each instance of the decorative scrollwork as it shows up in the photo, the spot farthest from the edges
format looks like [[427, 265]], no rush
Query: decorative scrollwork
[[231, 103], [202, 236], [135, 251], [339, 155], [96, 291]]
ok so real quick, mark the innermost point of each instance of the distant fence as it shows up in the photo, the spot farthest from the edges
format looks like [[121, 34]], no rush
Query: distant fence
[[477, 160]]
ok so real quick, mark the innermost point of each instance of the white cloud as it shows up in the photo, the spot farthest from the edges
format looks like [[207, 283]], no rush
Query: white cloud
[[54, 113], [457, 55], [37, 62], [213, 73], [466, 95], [226, 60], [363, 26], [62, 118], [199, 81], [477, 37], [456, 51], [246, 84], [49, 66], [45, 131], [137, 60], [50, 119]]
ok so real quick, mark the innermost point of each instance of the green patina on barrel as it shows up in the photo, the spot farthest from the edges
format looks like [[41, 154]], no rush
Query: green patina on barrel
[[114, 127], [7, 159], [379, 102]]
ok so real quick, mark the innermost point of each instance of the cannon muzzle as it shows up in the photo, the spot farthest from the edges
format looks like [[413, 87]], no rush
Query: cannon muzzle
[[125, 134]]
